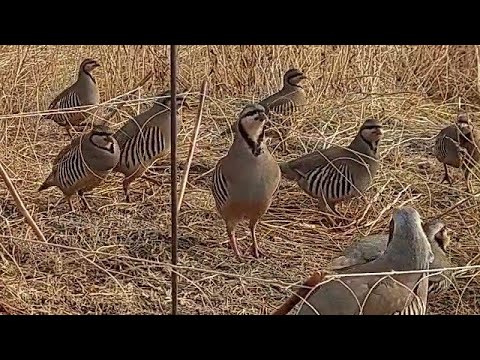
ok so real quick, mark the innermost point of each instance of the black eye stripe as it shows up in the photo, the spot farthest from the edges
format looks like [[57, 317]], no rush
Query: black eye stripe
[[102, 133], [372, 127], [251, 113]]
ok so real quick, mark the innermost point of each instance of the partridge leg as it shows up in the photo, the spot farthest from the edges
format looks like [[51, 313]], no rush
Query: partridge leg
[[68, 200], [255, 251], [70, 203], [468, 175], [324, 208], [126, 183], [446, 177], [284, 138], [233, 241]]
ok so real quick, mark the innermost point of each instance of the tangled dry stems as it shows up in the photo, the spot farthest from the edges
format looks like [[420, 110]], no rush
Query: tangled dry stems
[[117, 262]]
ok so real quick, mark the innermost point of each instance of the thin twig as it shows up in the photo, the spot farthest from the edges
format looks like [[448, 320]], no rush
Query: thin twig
[[18, 201], [183, 185]]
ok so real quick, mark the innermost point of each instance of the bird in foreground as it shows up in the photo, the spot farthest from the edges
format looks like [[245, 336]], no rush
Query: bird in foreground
[[371, 247], [146, 138], [408, 249], [84, 164], [82, 92], [245, 180], [338, 173], [457, 146]]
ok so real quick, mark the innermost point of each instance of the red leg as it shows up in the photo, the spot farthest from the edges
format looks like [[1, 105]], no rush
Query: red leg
[[255, 251], [233, 241], [70, 203]]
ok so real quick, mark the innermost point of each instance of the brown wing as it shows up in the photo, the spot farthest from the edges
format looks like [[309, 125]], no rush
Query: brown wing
[[304, 164], [57, 99], [391, 296], [133, 126], [276, 105]]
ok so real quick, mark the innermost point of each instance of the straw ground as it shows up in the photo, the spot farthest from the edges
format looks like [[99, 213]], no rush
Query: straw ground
[[118, 261]]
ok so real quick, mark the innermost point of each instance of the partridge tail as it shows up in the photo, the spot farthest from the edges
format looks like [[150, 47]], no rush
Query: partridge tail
[[46, 184], [288, 172], [301, 293]]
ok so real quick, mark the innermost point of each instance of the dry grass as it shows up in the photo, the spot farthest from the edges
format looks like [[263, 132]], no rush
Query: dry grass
[[117, 262]]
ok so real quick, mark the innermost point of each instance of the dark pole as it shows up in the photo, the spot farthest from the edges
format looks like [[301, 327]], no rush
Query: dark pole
[[173, 170]]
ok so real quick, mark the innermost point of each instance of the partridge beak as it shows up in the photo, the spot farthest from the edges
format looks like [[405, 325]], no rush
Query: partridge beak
[[379, 131], [262, 117]]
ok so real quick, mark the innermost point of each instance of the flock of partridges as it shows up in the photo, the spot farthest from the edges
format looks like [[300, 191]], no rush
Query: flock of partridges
[[246, 179]]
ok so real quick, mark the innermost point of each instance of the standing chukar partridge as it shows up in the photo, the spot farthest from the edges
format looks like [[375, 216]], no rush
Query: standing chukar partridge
[[245, 180], [289, 98], [371, 247], [146, 138], [457, 146], [82, 92], [281, 105], [84, 163], [336, 173], [408, 249]]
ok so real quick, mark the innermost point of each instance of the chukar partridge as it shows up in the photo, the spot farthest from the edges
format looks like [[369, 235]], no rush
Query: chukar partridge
[[457, 146], [283, 103], [336, 173], [245, 180], [84, 163], [144, 139], [407, 250], [82, 92], [438, 283], [371, 247], [289, 98]]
